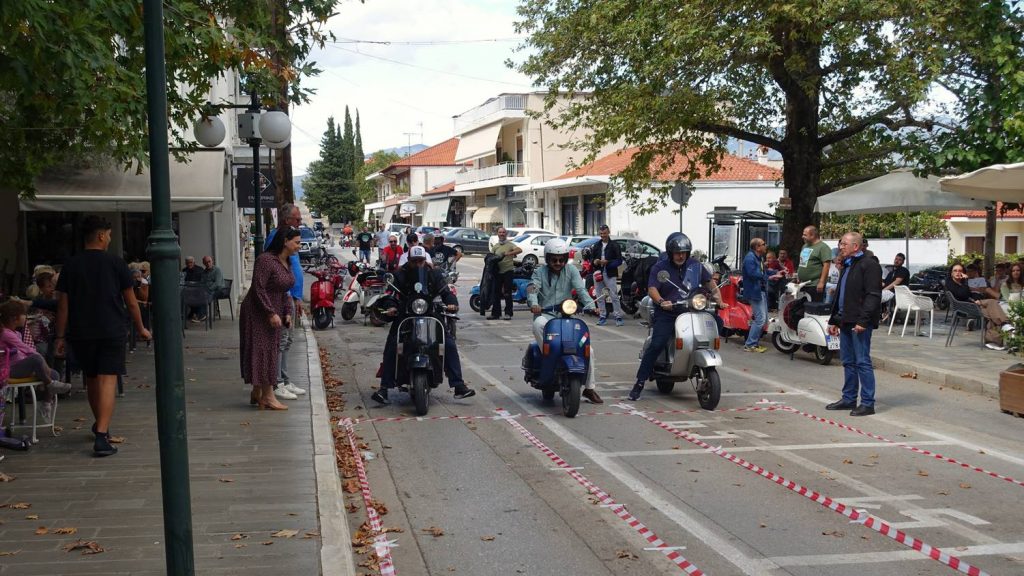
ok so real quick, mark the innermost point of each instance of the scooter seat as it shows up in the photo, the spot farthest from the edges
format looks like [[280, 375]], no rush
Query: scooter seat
[[818, 308]]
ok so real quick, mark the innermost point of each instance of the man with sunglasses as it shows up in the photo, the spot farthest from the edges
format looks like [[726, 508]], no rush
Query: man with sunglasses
[[553, 283], [391, 256], [415, 277]]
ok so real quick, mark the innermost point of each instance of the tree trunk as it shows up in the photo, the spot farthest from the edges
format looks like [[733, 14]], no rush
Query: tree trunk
[[990, 241]]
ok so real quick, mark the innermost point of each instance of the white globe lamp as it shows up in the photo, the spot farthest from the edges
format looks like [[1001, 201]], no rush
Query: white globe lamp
[[278, 145], [275, 129], [209, 131]]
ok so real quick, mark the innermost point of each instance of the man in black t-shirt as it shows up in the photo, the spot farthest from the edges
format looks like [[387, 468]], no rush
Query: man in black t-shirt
[[95, 296], [444, 257], [365, 240]]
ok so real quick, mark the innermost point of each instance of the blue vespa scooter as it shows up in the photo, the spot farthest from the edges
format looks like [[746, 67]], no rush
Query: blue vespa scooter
[[562, 364]]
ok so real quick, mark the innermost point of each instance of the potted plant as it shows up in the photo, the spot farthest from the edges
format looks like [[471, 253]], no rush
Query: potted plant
[[1011, 380]]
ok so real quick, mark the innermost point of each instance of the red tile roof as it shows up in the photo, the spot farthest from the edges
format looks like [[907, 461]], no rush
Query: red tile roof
[[449, 187], [980, 214], [442, 154], [733, 168]]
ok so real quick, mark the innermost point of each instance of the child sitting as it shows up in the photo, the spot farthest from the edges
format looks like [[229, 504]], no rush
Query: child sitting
[[25, 362]]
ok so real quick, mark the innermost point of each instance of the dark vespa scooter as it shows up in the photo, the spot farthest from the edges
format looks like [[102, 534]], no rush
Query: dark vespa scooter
[[563, 362]]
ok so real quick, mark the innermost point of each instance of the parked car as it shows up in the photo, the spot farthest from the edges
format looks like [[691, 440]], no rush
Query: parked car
[[533, 247], [519, 231], [309, 243], [421, 230], [468, 240], [574, 240], [630, 248]]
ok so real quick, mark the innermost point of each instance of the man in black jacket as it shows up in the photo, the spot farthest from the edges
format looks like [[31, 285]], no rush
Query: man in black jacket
[[415, 278], [606, 257], [855, 312]]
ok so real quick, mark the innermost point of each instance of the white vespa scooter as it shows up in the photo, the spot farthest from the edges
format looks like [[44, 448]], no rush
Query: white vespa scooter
[[803, 324], [692, 354]]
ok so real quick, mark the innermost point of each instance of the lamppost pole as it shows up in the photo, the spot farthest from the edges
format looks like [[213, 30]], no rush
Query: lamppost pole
[[254, 108], [164, 253]]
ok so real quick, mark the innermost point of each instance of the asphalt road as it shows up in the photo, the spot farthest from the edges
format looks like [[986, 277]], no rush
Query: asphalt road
[[541, 494]]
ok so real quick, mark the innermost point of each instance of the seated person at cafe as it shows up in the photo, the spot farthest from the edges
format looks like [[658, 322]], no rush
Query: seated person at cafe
[[977, 283], [991, 310], [997, 279], [1013, 285], [898, 276], [25, 361]]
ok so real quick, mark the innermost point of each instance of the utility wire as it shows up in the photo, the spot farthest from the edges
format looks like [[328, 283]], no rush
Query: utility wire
[[425, 42], [435, 70]]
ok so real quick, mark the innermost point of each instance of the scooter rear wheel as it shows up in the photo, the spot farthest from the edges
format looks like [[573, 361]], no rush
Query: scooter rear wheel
[[375, 318], [628, 304], [474, 302], [420, 385], [823, 355], [712, 391], [781, 345], [571, 395], [665, 386], [348, 310]]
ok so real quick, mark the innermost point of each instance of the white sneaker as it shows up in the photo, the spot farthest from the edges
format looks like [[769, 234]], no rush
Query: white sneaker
[[992, 346], [46, 411], [1007, 328], [294, 389], [282, 393]]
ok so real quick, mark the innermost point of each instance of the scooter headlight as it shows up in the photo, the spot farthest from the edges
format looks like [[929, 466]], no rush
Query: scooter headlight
[[419, 306], [569, 307], [699, 302]]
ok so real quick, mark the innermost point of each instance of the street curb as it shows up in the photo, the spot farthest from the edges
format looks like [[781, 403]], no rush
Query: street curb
[[940, 376], [336, 557]]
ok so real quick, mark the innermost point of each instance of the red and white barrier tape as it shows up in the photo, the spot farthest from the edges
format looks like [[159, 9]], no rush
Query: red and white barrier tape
[[382, 545], [856, 516], [382, 419], [606, 500], [903, 445]]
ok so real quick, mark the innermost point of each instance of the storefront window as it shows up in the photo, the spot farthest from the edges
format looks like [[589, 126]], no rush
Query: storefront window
[[593, 213], [516, 214], [570, 209]]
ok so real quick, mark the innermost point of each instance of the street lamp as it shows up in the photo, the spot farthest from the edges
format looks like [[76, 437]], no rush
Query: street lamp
[[271, 128]]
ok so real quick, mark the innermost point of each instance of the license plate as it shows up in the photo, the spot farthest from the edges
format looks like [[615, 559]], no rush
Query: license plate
[[832, 342]]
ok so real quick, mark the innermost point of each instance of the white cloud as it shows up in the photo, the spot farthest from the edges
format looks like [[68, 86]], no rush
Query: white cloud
[[393, 99]]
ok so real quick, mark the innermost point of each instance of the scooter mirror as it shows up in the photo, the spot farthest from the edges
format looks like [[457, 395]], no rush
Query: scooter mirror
[[663, 276]]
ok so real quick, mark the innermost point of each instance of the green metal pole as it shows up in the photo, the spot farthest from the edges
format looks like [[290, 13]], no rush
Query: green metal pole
[[164, 253], [256, 180]]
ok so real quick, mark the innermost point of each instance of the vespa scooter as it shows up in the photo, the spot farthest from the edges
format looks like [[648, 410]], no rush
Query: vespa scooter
[[802, 323], [564, 361], [693, 354], [365, 288], [321, 298]]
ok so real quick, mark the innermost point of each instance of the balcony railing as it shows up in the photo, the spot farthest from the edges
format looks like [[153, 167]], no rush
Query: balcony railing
[[503, 170], [474, 116]]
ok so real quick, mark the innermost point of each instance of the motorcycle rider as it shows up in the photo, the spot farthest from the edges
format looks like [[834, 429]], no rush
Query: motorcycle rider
[[415, 277], [685, 272], [553, 283]]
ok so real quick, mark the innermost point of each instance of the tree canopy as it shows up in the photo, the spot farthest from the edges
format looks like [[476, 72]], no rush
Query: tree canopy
[[836, 87], [72, 87], [333, 184]]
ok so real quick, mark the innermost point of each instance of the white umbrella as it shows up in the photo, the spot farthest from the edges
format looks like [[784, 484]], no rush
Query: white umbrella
[[897, 191], [998, 183]]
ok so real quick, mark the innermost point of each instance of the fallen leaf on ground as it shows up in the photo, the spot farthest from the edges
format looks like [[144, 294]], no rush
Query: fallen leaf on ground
[[68, 530], [244, 424], [241, 545], [911, 375], [79, 419], [487, 538], [87, 547], [943, 493], [847, 461], [434, 531], [117, 439], [20, 506], [351, 486], [626, 554], [836, 533], [311, 534], [267, 543], [42, 530], [32, 517], [6, 478], [285, 533], [965, 485], [9, 552], [225, 479], [922, 473], [352, 508], [239, 537]]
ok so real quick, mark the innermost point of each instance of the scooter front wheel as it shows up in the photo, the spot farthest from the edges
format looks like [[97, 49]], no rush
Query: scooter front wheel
[[420, 385], [781, 345], [571, 391], [321, 317], [348, 310], [711, 392], [474, 302], [375, 317], [823, 355], [665, 386]]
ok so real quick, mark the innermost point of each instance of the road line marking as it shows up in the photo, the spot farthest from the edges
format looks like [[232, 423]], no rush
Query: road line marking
[[912, 448], [858, 516], [644, 531], [628, 454], [381, 543], [720, 545], [894, 555]]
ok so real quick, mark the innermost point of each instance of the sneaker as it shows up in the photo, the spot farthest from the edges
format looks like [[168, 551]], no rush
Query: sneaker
[[57, 387], [758, 348], [634, 394], [102, 446], [463, 391], [294, 389], [620, 322], [591, 395], [508, 317], [993, 346], [46, 411], [381, 396], [602, 320], [1007, 328], [282, 393], [201, 318]]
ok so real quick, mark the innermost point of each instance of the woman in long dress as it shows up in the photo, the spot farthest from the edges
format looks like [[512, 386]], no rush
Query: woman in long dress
[[263, 313]]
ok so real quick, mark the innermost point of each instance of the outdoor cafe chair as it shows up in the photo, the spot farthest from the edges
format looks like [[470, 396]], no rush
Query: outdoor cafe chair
[[196, 295], [909, 302], [966, 311], [224, 294]]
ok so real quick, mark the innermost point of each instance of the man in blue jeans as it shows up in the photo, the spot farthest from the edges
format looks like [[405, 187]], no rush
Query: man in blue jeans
[[754, 290], [855, 312]]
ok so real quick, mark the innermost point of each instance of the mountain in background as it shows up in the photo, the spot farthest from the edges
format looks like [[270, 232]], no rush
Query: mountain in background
[[402, 150]]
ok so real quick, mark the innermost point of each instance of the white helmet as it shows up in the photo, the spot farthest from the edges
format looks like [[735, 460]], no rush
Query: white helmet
[[556, 247]]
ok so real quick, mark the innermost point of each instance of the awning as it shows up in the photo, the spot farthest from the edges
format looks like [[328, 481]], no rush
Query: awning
[[478, 143], [437, 211], [197, 186], [486, 215], [999, 182], [389, 213]]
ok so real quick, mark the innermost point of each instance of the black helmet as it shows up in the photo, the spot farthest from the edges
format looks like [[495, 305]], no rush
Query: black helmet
[[678, 242]]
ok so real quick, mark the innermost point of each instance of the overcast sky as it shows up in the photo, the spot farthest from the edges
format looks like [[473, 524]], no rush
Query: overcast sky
[[397, 86]]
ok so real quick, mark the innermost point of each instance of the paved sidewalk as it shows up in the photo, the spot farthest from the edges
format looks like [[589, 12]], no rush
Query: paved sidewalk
[[964, 365], [252, 473]]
